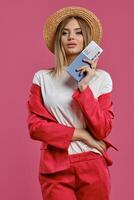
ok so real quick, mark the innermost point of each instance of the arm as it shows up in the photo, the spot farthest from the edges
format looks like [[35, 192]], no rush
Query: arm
[[50, 132], [98, 113], [87, 138], [42, 125]]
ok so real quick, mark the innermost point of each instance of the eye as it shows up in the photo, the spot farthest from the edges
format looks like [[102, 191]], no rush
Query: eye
[[64, 33], [79, 32]]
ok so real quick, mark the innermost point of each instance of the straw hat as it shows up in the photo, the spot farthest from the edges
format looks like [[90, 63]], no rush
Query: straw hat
[[54, 20]]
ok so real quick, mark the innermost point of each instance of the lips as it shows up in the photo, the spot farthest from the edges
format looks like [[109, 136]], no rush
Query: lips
[[71, 45]]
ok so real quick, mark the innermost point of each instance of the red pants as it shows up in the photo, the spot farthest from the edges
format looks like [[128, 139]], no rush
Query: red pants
[[88, 178]]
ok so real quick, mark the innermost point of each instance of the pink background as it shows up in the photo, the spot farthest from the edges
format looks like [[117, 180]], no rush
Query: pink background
[[22, 53]]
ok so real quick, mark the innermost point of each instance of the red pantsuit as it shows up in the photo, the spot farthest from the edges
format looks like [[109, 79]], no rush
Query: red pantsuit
[[87, 178], [82, 176]]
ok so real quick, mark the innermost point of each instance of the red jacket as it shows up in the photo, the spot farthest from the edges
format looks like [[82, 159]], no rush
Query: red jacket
[[56, 137]]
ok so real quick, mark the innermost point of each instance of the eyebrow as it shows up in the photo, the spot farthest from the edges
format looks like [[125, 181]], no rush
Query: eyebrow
[[74, 29]]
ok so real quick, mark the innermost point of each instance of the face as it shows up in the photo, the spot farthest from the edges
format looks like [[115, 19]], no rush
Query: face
[[72, 38]]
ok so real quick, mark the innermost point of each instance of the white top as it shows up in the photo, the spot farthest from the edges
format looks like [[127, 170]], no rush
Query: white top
[[57, 96]]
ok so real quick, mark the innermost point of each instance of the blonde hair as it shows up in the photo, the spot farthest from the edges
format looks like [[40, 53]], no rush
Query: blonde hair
[[60, 56]]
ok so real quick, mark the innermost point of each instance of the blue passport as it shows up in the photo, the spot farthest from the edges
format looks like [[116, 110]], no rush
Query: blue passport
[[91, 52]]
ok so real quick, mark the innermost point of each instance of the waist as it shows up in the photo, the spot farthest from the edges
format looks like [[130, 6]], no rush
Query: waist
[[84, 156], [77, 147]]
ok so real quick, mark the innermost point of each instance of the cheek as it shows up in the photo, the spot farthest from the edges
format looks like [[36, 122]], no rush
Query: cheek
[[63, 40], [81, 41]]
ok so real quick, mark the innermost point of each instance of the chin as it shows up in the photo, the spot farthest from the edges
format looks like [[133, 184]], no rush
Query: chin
[[73, 52]]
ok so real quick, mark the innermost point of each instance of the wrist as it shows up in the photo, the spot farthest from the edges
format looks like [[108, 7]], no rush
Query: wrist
[[77, 134], [82, 87]]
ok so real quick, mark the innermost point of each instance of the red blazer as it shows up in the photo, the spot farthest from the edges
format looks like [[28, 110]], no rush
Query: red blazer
[[56, 137]]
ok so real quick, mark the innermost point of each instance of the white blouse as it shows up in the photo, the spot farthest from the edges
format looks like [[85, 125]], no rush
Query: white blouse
[[57, 96]]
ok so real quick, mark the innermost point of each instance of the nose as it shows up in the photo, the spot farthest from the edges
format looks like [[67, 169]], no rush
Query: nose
[[71, 36]]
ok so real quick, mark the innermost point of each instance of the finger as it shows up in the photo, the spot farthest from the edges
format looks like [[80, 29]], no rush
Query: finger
[[96, 146], [103, 145], [88, 61], [92, 64], [96, 60], [83, 71], [83, 67], [99, 148]]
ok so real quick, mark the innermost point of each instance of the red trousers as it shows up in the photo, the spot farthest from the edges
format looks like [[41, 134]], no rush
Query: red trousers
[[88, 178]]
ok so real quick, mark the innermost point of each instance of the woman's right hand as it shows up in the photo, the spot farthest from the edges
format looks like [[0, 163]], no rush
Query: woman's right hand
[[84, 136]]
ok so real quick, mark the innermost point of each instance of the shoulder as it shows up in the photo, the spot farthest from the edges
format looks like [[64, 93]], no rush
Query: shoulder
[[38, 76], [103, 74], [106, 81], [42, 72]]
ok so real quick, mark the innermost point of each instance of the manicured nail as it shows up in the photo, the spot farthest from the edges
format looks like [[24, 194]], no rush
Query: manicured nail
[[83, 59]]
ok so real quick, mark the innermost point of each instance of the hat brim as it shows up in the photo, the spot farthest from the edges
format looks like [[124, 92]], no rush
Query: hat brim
[[54, 20]]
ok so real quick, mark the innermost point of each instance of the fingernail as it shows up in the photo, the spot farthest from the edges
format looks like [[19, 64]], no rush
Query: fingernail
[[85, 60]]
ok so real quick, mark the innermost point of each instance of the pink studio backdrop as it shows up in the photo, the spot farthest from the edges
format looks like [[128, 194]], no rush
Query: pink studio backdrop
[[23, 53]]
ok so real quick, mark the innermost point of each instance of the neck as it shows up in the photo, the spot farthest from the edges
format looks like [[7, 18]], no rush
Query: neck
[[71, 58]]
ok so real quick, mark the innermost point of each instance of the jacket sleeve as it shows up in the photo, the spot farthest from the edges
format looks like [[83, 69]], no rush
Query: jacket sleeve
[[98, 112], [42, 125]]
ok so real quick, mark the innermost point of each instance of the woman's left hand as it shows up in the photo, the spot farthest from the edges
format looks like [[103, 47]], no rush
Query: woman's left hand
[[89, 71]]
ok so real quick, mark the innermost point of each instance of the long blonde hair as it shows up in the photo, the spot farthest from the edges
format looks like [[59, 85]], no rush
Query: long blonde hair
[[60, 56]]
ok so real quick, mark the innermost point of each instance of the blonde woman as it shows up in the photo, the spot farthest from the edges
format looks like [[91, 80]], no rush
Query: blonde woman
[[72, 119]]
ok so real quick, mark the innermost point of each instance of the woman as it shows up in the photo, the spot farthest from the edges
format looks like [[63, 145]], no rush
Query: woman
[[72, 119]]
